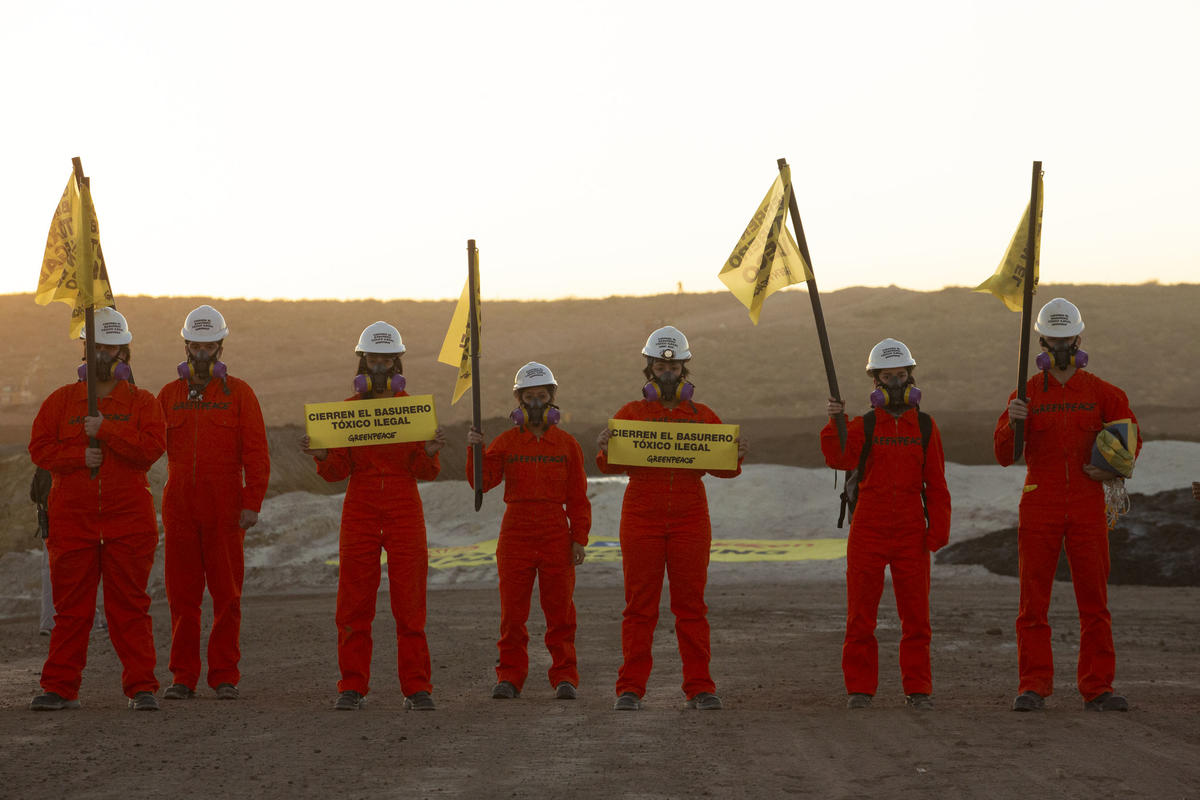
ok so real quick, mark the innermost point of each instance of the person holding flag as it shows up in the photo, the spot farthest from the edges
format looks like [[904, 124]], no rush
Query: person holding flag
[[1066, 416], [381, 512], [217, 472], [901, 514], [665, 527], [102, 516], [544, 533]]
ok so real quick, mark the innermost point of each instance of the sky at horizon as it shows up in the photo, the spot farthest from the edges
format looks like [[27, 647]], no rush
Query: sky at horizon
[[305, 150]]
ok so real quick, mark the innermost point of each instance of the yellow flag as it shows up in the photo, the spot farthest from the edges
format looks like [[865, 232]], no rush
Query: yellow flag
[[1008, 282], [456, 347], [73, 270], [766, 258]]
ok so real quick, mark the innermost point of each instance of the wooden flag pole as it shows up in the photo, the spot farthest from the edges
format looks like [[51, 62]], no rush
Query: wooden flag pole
[[818, 317], [89, 330], [473, 327], [1029, 278]]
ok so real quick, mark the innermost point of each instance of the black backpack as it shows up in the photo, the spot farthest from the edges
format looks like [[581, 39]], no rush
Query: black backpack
[[39, 493], [855, 476]]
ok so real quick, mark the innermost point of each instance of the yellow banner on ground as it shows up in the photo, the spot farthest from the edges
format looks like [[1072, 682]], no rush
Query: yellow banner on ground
[[766, 258], [73, 269], [456, 347], [688, 445], [1008, 281], [386, 420], [605, 550]]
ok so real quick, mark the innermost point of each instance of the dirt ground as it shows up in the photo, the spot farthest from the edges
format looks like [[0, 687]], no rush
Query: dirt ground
[[776, 656]]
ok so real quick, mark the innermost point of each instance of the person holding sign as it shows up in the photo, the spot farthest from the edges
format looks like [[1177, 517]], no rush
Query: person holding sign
[[665, 528], [217, 473], [102, 518], [1065, 417], [901, 513], [381, 512], [547, 517]]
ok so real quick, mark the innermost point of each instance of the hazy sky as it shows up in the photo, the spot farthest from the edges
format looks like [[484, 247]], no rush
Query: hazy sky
[[345, 150]]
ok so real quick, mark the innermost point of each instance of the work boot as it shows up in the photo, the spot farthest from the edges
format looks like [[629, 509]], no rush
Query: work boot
[[1107, 702], [349, 700], [858, 700], [227, 691], [144, 701], [419, 701], [505, 690], [1029, 701], [704, 701], [177, 691], [51, 701], [919, 702], [565, 691], [628, 702]]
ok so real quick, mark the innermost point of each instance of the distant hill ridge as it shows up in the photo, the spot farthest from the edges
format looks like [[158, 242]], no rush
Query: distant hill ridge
[[1140, 337]]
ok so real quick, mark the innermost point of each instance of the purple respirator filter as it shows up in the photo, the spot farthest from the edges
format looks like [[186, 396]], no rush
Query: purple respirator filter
[[363, 383], [1045, 361], [518, 416], [121, 371]]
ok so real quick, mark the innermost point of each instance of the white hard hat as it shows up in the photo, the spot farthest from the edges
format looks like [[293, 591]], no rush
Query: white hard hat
[[110, 327], [668, 344], [204, 324], [1059, 319], [381, 339], [533, 374], [890, 354]]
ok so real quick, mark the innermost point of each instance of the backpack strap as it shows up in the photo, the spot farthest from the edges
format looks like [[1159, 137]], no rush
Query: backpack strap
[[854, 477], [926, 423]]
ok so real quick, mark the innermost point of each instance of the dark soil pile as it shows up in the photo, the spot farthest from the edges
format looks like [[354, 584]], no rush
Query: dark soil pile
[[1156, 544]]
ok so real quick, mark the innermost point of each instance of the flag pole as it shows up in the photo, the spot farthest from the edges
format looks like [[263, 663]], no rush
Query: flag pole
[[473, 327], [818, 317], [1029, 279], [89, 328]]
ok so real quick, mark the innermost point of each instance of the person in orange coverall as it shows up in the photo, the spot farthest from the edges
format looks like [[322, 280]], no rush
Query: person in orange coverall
[[217, 472], [381, 512], [547, 517], [1063, 502], [102, 525], [902, 515], [665, 526]]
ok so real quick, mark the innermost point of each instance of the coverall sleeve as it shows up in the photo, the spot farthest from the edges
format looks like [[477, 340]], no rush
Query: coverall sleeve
[[45, 449], [493, 465], [424, 467], [579, 508], [142, 439], [256, 460], [336, 466], [1002, 439], [831, 445], [937, 495]]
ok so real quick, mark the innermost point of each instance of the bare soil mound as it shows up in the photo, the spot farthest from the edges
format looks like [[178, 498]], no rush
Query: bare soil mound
[[1156, 545]]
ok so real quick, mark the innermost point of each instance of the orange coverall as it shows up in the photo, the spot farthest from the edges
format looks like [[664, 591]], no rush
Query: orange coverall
[[889, 530], [546, 509], [382, 512], [211, 442], [665, 526], [101, 526], [1062, 504]]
